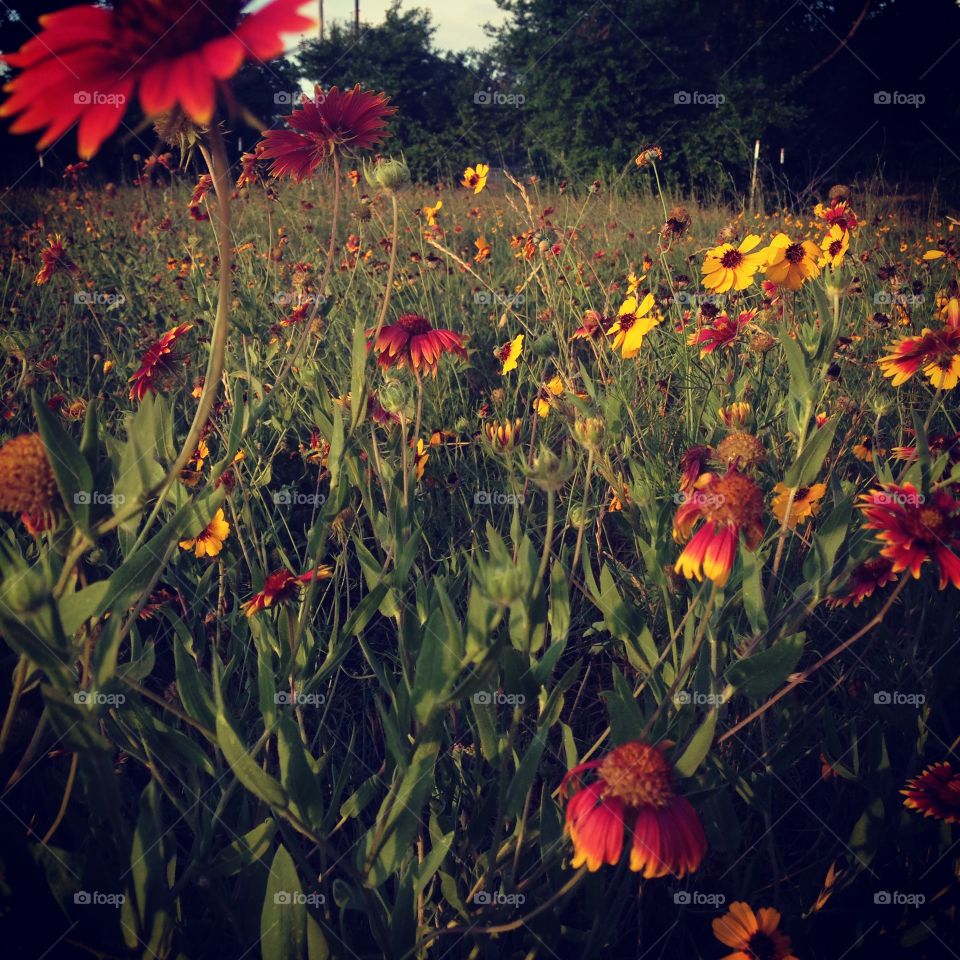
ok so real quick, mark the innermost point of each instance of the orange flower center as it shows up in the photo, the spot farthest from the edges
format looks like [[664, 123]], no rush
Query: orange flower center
[[638, 774], [732, 500], [731, 259], [931, 519]]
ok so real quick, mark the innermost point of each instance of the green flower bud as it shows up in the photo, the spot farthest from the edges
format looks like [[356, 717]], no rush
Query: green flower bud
[[389, 174]]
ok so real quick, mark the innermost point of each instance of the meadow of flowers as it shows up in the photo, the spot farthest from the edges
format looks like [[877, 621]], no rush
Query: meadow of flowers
[[494, 568]]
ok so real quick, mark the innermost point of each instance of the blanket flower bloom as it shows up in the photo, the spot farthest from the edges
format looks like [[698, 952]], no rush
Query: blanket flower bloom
[[87, 62], [633, 799], [935, 353], [158, 361], [209, 541], [413, 342], [935, 793], [282, 587]]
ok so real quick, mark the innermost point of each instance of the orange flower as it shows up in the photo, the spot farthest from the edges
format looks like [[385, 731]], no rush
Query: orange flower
[[54, 259], [728, 504], [86, 62], [332, 122], [633, 797], [937, 353], [837, 214], [157, 361], [915, 529], [413, 343], [281, 587], [935, 793], [754, 936], [483, 250]]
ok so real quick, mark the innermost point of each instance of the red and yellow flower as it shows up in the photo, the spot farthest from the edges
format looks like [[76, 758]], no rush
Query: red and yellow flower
[[633, 803], [282, 587], [413, 342], [721, 332], [334, 121], [866, 579], [509, 354], [915, 529], [87, 62], [728, 505], [936, 353], [159, 361], [935, 793], [53, 259]]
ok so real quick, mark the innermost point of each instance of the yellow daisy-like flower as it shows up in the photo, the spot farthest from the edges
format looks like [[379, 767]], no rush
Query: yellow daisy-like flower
[[547, 395], [483, 250], [732, 268], [791, 264], [209, 542], [634, 321], [806, 503], [475, 178], [633, 283], [834, 246], [421, 458], [509, 354], [431, 213]]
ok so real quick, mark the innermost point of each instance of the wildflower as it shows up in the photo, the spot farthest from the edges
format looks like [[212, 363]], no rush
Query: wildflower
[[865, 450], [175, 54], [483, 250], [420, 458], [209, 542], [54, 259], [27, 482], [158, 361], [936, 353], [594, 326], [806, 503], [633, 800], [332, 122], [503, 437], [475, 178], [935, 793], [282, 587], [547, 395], [200, 191], [248, 167], [727, 267], [915, 529], [837, 214], [736, 414], [867, 577], [692, 466], [791, 264], [741, 449], [728, 504], [649, 154], [722, 332], [509, 354], [431, 213], [634, 321], [937, 443], [754, 936], [677, 223], [834, 246], [413, 343], [762, 342]]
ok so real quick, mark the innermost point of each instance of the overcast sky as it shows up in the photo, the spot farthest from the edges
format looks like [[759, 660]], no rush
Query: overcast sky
[[459, 24]]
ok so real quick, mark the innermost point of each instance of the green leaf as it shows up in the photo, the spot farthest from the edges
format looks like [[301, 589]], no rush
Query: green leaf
[[283, 919], [522, 780], [247, 771], [758, 676], [811, 458], [77, 608], [70, 467], [698, 747], [626, 718], [437, 666], [245, 850]]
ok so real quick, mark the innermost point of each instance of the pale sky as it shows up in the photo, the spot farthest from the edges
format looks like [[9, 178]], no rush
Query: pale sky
[[459, 24]]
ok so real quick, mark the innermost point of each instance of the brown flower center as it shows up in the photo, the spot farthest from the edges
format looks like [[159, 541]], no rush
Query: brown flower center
[[761, 946], [638, 774], [741, 447], [731, 259], [732, 500], [795, 253], [414, 324]]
